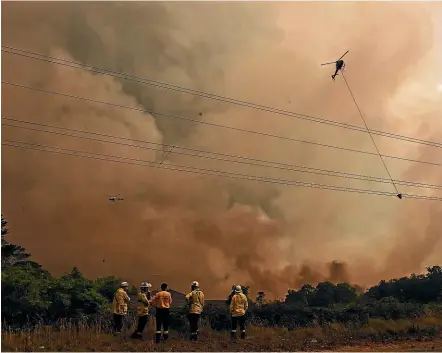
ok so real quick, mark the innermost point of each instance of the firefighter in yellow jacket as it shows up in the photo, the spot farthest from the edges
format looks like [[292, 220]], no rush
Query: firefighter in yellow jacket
[[195, 300], [162, 301], [142, 309], [238, 308], [119, 306]]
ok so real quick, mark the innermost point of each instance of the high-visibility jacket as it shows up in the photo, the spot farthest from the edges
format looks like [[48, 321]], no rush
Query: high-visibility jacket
[[119, 304], [143, 308], [195, 300], [238, 305], [162, 300]]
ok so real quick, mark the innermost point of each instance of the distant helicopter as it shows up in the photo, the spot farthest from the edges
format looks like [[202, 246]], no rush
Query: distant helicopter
[[339, 65], [115, 198]]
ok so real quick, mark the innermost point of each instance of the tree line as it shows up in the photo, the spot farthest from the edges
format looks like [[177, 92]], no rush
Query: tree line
[[30, 294]]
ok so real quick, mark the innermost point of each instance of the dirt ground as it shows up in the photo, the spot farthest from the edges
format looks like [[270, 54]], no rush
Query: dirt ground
[[47, 340], [406, 346]]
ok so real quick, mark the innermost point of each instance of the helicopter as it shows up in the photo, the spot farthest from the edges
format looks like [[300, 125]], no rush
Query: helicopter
[[115, 198], [339, 65]]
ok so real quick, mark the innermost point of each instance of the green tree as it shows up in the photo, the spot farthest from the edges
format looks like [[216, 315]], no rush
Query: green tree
[[73, 295], [12, 254], [324, 295], [344, 293], [24, 294], [415, 288], [4, 224], [309, 292], [434, 271], [303, 296], [295, 297], [107, 286], [245, 290]]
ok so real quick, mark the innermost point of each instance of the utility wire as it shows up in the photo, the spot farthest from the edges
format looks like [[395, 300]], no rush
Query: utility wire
[[164, 85], [399, 195], [165, 157], [203, 171], [268, 164], [303, 169], [183, 118], [213, 124]]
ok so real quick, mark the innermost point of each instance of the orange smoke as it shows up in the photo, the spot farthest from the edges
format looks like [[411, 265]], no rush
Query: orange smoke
[[181, 227]]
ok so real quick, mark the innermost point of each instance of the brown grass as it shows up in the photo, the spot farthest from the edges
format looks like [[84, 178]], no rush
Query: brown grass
[[423, 334]]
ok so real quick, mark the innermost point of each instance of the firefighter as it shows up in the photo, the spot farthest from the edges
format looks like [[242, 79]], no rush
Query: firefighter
[[195, 300], [119, 306], [143, 309], [162, 301], [238, 308]]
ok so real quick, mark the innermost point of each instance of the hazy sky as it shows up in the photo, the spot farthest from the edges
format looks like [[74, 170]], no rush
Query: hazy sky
[[186, 227]]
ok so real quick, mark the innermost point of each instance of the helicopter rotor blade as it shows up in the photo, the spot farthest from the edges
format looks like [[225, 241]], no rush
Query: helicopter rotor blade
[[344, 55], [333, 62]]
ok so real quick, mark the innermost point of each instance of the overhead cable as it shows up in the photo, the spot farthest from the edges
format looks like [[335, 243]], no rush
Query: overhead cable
[[398, 194], [214, 124], [211, 155], [202, 171], [168, 86]]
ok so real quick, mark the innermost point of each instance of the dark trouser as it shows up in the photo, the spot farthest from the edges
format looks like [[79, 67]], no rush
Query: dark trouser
[[142, 321], [162, 319], [118, 323], [193, 322], [242, 325]]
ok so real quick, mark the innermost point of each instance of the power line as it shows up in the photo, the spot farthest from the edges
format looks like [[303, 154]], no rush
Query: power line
[[399, 195], [270, 164], [303, 170], [164, 85], [204, 171], [214, 124], [183, 118], [165, 157]]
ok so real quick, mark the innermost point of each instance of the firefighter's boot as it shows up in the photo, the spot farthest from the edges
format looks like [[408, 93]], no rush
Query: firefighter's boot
[[157, 337], [165, 336], [243, 334], [233, 336]]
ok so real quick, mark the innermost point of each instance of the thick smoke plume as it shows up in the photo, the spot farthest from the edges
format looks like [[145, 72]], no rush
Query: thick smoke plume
[[181, 227]]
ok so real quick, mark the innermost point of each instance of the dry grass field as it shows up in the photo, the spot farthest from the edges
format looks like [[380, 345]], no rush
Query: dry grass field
[[424, 334]]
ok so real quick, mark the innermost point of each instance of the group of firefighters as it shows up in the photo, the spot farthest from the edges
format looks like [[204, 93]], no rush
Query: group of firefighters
[[162, 301]]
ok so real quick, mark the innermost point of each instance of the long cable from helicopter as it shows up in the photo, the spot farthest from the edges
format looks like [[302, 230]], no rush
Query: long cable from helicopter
[[212, 155], [399, 195], [164, 85], [170, 116], [204, 171]]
